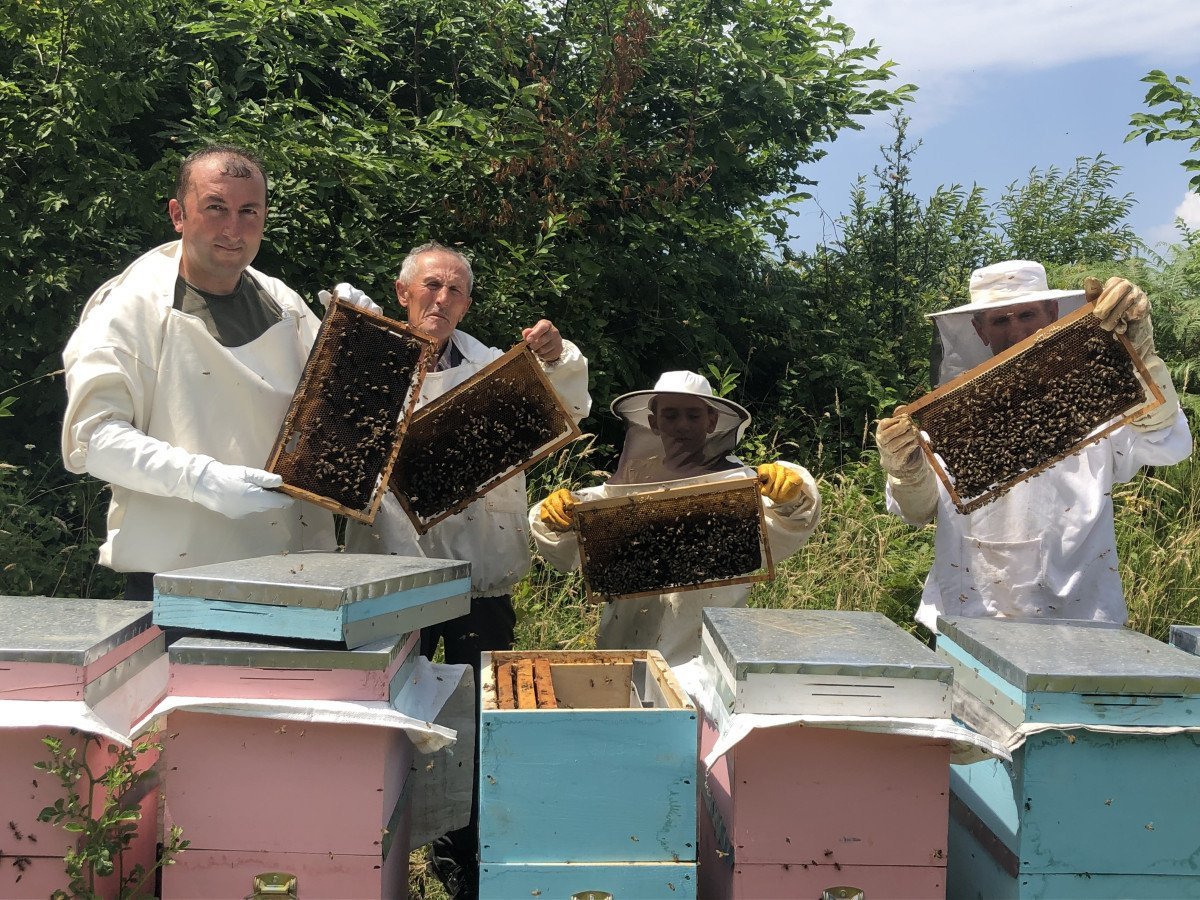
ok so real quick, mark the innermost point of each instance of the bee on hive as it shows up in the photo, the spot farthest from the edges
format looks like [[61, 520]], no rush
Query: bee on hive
[[1042, 408]]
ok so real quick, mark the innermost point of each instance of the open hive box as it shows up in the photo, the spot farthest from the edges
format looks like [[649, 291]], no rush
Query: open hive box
[[673, 539], [340, 437], [483, 432], [1029, 407], [587, 767]]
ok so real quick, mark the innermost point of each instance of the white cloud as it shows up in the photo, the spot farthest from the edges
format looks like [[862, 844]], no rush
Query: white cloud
[[1189, 209], [928, 37]]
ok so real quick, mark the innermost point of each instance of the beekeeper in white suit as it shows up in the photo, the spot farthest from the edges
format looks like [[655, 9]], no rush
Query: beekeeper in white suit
[[678, 433], [178, 377], [1047, 548]]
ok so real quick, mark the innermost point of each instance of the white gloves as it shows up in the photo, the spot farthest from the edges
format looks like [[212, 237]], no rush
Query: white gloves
[[238, 491], [120, 454], [351, 295]]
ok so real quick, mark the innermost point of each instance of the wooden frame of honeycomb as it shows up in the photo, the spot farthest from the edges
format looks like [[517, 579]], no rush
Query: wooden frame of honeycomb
[[635, 522], [448, 439], [1029, 407], [341, 435]]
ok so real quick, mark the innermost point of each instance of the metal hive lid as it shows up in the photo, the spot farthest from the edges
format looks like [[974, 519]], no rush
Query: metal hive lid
[[1075, 657], [313, 579], [820, 642], [217, 650], [66, 630]]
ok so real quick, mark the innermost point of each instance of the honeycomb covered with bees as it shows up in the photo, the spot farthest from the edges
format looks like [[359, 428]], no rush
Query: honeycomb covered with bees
[[464, 443], [338, 441], [1007, 421], [672, 540]]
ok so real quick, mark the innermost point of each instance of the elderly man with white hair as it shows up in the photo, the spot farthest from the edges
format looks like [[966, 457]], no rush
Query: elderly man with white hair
[[680, 433], [1047, 548]]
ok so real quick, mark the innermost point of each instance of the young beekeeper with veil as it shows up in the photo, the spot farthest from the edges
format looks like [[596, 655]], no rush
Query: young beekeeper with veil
[[1047, 548], [678, 433]]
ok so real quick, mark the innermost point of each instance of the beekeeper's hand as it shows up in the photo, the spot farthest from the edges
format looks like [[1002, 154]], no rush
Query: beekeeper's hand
[[899, 449], [351, 295], [558, 510], [779, 484], [544, 340], [238, 491], [1122, 307]]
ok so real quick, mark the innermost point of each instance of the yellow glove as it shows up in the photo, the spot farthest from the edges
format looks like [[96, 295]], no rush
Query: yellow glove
[[899, 450], [557, 510], [779, 484]]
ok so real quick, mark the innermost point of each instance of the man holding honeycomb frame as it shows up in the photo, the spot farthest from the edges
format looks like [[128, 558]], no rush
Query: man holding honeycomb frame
[[435, 287], [1046, 548], [678, 434]]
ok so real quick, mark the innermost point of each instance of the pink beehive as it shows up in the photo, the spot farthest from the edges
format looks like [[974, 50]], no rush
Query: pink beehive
[[70, 664], [795, 811], [322, 802]]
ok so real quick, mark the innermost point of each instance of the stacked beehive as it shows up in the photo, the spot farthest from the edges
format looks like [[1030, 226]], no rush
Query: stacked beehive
[[587, 776], [1100, 798], [323, 801], [88, 663], [795, 811]]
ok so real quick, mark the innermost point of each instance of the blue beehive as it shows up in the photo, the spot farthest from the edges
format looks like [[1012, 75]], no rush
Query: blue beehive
[[587, 782], [1102, 807]]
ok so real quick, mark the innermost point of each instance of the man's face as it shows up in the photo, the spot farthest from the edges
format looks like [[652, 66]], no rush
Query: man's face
[[682, 422], [438, 295], [221, 223], [999, 329]]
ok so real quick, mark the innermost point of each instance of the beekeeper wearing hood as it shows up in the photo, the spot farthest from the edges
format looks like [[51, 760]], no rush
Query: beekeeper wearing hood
[[178, 378], [680, 435], [1047, 548]]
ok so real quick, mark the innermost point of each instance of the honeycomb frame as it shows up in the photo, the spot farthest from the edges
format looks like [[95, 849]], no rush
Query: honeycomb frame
[[593, 517], [478, 396], [304, 443], [1038, 360]]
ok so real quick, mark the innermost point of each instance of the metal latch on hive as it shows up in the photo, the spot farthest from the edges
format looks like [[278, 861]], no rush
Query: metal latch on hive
[[274, 885]]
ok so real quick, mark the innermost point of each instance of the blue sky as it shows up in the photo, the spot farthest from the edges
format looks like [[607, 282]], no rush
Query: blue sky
[[1012, 85]]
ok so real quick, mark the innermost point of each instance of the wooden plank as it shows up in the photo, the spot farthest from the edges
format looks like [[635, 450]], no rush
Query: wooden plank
[[543, 683], [526, 698], [505, 699]]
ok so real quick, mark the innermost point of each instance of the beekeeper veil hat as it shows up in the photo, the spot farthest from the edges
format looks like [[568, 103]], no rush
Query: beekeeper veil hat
[[1008, 283], [678, 429]]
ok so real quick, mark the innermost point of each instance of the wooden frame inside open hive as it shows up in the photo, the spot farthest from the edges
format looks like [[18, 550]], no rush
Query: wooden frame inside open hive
[[579, 679], [1031, 406], [673, 539], [484, 431], [342, 432]]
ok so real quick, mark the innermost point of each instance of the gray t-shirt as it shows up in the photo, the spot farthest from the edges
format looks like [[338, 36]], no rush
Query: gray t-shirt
[[232, 319]]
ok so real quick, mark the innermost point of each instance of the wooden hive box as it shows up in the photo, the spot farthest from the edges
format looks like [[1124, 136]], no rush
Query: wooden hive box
[[350, 598], [587, 776], [794, 811], [105, 653], [1079, 813], [326, 803]]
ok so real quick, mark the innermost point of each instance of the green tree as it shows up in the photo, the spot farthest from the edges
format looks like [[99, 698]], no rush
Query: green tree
[[1058, 217], [1179, 120]]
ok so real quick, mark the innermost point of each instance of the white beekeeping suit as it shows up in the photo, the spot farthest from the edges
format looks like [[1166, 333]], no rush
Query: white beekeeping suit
[[658, 454]]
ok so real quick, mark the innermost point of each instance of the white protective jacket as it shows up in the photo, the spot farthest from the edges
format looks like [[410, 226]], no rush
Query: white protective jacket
[[671, 623], [135, 359], [1047, 548], [491, 533]]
